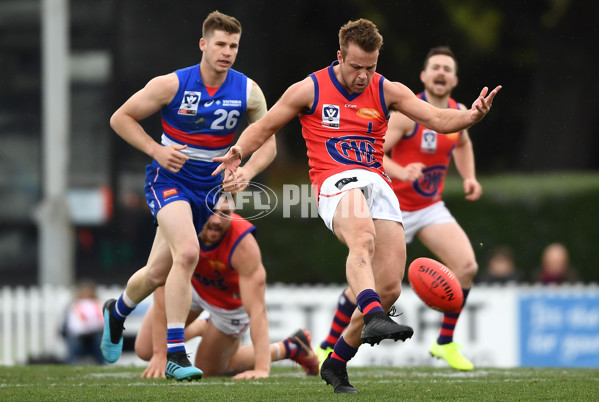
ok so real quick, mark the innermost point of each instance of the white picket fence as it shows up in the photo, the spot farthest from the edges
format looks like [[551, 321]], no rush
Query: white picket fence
[[535, 325], [31, 320]]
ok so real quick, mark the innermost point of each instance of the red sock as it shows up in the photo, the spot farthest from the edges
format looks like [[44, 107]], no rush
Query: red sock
[[343, 313], [449, 322]]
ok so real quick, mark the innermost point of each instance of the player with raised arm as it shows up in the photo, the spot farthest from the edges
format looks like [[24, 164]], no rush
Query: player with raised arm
[[343, 110], [201, 108], [418, 165]]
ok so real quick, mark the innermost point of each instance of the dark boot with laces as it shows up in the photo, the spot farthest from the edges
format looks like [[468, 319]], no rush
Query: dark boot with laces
[[379, 326], [336, 375]]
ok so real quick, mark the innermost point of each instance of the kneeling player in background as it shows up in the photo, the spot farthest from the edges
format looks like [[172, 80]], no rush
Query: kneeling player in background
[[229, 282]]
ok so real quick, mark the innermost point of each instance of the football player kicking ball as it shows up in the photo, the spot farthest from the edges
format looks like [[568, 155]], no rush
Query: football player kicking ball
[[229, 282], [343, 110], [418, 164]]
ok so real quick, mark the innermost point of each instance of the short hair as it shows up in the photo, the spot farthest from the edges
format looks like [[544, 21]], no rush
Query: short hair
[[361, 32], [444, 50], [221, 22]]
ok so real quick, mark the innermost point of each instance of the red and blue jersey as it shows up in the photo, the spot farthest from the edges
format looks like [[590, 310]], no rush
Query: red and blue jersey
[[206, 124], [344, 131], [215, 279], [434, 151]]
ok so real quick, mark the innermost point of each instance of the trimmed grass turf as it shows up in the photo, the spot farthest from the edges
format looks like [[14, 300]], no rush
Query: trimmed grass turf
[[373, 383]]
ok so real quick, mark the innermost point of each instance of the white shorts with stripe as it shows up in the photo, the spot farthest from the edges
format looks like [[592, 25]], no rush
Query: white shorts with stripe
[[230, 322], [380, 198]]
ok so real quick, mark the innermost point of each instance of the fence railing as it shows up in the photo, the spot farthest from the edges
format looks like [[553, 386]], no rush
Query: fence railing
[[534, 325], [31, 320]]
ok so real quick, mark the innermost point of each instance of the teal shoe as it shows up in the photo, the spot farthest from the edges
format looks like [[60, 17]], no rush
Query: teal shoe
[[179, 368], [112, 337]]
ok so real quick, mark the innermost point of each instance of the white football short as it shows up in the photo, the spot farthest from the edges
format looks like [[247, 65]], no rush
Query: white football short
[[380, 198], [230, 322], [415, 221]]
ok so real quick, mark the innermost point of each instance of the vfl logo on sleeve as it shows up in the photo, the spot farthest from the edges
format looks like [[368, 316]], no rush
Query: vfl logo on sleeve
[[353, 150], [428, 185], [330, 116], [190, 103]]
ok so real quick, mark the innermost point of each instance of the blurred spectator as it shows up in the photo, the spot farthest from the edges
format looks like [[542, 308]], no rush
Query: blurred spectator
[[555, 266], [83, 326], [501, 267]]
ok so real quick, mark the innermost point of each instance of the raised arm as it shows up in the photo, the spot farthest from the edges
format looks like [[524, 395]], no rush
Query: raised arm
[[247, 261], [149, 100], [296, 98], [401, 98], [463, 156]]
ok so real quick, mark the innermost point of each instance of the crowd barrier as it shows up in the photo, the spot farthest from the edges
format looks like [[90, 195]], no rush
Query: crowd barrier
[[501, 326]]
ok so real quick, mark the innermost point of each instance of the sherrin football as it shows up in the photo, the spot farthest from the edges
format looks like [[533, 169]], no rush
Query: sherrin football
[[436, 285]]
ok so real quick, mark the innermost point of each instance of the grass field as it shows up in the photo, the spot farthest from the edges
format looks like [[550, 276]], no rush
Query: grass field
[[65, 383]]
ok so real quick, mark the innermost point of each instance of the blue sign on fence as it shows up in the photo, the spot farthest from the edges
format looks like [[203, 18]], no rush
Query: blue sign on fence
[[559, 330]]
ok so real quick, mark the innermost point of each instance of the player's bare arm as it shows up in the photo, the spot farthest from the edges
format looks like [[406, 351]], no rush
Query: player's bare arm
[[256, 106], [247, 261], [296, 98], [463, 156], [410, 172], [157, 93], [262, 157], [399, 125], [401, 98]]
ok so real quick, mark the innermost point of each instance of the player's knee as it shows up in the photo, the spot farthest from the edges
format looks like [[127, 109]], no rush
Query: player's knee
[[467, 271], [187, 256]]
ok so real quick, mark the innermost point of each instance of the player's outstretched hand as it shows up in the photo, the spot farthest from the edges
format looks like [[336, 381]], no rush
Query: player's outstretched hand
[[156, 367], [171, 158], [482, 105], [251, 374], [230, 161]]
